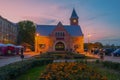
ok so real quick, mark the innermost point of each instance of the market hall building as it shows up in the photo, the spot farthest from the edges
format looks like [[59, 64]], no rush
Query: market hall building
[[60, 37]]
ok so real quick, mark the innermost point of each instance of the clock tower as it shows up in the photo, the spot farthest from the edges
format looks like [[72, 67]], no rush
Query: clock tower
[[74, 18]]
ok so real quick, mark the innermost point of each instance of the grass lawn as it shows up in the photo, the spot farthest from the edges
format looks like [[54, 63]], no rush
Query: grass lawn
[[32, 74]]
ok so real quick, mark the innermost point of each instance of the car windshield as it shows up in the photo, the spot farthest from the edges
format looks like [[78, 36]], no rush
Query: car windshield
[[118, 50]]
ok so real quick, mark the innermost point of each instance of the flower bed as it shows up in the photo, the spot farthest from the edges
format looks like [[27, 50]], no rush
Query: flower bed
[[70, 71]]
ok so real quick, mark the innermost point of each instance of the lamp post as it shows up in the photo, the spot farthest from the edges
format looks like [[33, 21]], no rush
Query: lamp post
[[88, 42], [37, 35]]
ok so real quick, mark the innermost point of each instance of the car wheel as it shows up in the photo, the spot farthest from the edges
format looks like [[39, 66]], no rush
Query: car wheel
[[117, 55]]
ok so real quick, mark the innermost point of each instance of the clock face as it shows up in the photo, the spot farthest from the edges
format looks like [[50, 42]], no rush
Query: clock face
[[74, 20]]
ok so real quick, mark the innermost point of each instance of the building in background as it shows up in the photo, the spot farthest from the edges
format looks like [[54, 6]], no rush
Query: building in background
[[8, 31], [60, 37]]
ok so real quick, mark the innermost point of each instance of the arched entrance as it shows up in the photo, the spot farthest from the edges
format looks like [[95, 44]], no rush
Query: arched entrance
[[59, 46]]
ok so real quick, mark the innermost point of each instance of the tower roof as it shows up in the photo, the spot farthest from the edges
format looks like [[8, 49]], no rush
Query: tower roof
[[74, 14]]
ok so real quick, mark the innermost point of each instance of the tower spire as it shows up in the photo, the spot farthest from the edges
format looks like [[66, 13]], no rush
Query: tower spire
[[74, 14], [74, 18]]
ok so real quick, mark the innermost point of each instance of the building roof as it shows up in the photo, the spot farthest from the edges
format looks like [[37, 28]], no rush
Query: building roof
[[45, 30], [7, 20], [74, 14]]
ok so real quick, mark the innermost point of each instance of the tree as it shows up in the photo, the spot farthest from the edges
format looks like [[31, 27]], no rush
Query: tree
[[98, 45], [93, 45], [88, 46], [26, 32]]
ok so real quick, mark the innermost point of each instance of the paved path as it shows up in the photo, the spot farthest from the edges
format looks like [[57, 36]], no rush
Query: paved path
[[106, 58], [8, 60], [113, 59], [64, 60]]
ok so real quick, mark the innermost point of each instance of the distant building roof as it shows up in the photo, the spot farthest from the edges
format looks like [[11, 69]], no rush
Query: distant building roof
[[7, 20], [45, 30], [74, 14]]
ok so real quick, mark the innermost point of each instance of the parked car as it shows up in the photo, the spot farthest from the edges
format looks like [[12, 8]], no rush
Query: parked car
[[3, 49], [116, 52], [95, 51], [18, 49], [108, 51]]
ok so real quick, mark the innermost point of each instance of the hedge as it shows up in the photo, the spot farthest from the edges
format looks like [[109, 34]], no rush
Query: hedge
[[111, 65], [11, 71]]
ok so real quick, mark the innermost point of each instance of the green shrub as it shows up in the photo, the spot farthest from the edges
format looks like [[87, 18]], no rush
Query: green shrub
[[60, 55], [11, 71], [79, 56], [111, 65], [97, 61]]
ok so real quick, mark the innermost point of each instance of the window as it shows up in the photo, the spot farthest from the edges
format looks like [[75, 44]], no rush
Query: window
[[42, 46], [76, 46], [63, 34], [59, 34]]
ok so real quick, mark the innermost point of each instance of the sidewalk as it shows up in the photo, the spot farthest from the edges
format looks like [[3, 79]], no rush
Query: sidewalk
[[113, 59], [106, 58], [11, 59]]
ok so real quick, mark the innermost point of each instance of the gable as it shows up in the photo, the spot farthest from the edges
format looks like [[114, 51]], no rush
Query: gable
[[59, 28]]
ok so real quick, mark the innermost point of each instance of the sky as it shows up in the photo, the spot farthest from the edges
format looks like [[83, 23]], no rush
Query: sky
[[99, 18]]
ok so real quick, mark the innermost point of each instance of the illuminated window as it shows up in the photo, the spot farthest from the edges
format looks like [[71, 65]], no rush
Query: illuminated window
[[42, 46], [76, 46]]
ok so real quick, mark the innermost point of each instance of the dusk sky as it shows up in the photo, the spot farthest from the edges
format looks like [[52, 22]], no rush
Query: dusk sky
[[99, 18]]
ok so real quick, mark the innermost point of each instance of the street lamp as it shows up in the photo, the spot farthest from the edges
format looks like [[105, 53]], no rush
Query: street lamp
[[88, 42], [37, 35], [89, 37]]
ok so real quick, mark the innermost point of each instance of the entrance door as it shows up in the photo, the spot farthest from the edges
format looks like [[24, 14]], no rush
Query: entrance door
[[59, 46]]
